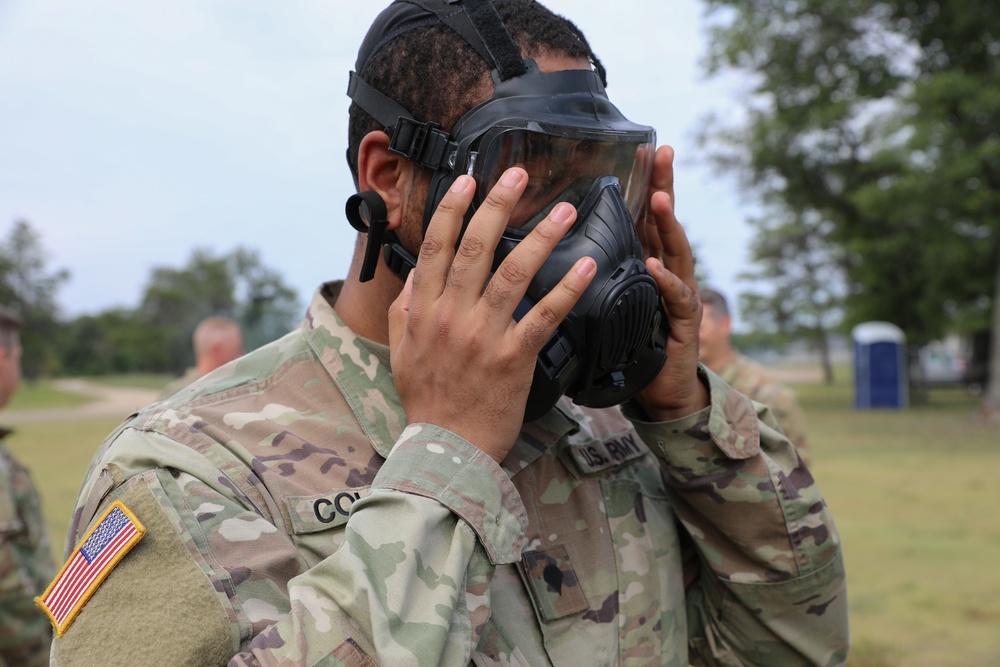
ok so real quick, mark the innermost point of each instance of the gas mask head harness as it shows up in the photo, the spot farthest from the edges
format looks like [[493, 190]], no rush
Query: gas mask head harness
[[576, 147]]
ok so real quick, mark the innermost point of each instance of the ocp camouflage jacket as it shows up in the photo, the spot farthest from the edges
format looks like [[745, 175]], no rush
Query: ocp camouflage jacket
[[293, 518]]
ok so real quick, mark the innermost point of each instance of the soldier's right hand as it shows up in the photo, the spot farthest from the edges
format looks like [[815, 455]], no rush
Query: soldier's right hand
[[459, 360]]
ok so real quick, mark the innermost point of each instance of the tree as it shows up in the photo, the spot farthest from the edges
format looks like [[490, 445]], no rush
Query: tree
[[879, 118], [266, 307], [114, 341], [28, 288], [236, 285], [956, 119], [991, 403], [791, 253], [156, 335], [176, 299]]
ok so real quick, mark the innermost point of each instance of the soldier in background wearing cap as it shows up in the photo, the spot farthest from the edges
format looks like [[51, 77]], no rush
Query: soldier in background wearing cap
[[25, 555]]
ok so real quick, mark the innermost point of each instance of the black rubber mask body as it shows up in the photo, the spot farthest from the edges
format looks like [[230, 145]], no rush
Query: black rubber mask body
[[613, 343]]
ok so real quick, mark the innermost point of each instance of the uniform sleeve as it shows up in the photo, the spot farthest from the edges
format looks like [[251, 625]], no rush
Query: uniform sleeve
[[24, 631], [408, 584], [769, 584], [25, 560]]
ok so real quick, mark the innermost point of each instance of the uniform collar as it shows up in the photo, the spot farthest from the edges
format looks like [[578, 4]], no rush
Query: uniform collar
[[365, 381]]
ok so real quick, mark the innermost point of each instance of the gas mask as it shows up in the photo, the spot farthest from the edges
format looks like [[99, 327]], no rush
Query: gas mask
[[576, 147]]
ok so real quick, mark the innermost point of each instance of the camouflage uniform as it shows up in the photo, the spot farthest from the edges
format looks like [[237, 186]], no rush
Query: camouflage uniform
[[294, 518], [25, 566], [750, 378]]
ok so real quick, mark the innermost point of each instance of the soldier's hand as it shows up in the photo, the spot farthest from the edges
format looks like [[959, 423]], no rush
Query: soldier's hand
[[676, 391], [459, 360]]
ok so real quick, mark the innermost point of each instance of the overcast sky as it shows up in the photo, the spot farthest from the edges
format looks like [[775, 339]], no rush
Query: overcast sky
[[131, 132]]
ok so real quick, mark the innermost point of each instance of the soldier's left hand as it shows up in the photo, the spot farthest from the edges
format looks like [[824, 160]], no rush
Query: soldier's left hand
[[676, 392]]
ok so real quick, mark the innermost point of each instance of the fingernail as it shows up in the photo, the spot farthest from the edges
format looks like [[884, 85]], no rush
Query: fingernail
[[460, 185], [586, 267], [511, 177], [562, 212]]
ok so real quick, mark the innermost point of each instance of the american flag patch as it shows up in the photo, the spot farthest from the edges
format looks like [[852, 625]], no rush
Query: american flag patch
[[103, 547]]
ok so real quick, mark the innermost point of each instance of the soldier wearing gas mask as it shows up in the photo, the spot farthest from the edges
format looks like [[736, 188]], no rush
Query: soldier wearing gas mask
[[492, 443]]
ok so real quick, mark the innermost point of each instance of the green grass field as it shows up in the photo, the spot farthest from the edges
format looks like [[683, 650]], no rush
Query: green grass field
[[914, 496], [58, 453], [42, 394], [913, 493]]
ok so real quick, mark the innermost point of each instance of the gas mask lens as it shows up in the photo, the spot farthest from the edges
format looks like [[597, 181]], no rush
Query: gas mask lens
[[563, 168]]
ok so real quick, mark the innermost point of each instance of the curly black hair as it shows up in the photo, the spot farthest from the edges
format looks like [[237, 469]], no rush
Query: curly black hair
[[434, 74]]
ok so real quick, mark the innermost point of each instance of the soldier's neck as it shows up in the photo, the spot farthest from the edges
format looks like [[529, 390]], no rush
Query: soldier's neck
[[364, 307]]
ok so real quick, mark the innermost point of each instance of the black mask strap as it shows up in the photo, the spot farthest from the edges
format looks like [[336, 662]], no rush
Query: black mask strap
[[424, 144], [399, 260], [481, 26]]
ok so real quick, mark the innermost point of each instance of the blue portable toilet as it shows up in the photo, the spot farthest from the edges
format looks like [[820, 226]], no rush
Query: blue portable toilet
[[880, 368]]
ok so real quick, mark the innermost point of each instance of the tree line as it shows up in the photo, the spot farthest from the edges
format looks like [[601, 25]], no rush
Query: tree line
[[870, 133], [155, 335]]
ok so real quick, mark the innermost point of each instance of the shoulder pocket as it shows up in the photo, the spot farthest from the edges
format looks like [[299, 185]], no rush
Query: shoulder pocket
[[153, 593]]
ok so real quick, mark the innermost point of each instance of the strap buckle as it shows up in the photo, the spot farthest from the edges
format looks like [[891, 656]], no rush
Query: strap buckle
[[422, 143]]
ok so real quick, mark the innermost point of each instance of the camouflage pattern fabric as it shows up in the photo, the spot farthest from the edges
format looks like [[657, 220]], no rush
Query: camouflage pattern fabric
[[312, 525], [25, 566], [750, 378]]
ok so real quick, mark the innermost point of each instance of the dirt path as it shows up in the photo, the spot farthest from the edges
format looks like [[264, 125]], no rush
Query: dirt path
[[105, 402]]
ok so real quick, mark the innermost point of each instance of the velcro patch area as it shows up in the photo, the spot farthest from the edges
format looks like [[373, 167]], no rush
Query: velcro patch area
[[101, 549]]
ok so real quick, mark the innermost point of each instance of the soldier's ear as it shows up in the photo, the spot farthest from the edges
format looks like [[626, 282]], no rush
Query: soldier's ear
[[384, 172]]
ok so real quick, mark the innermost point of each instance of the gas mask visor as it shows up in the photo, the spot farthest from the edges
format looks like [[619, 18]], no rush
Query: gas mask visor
[[561, 129], [562, 164]]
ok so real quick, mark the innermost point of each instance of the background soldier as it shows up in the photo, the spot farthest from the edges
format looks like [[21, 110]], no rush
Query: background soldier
[[745, 375], [216, 341], [25, 556]]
